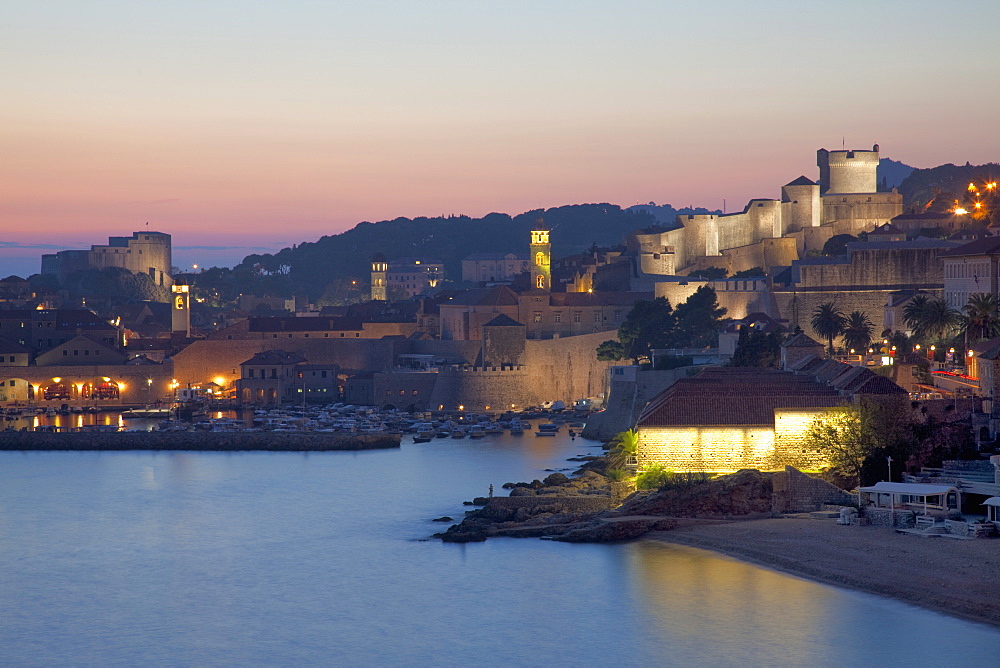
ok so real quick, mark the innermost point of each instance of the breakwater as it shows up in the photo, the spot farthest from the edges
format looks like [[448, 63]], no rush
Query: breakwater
[[205, 442]]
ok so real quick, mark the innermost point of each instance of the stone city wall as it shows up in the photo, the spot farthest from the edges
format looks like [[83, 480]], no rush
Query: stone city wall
[[479, 389], [798, 306], [883, 268], [626, 400], [796, 492], [567, 369]]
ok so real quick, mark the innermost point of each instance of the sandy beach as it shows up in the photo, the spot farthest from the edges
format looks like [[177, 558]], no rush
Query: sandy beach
[[957, 577]]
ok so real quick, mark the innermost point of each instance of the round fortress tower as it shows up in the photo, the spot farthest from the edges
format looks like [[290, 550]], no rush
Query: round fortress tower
[[846, 172]]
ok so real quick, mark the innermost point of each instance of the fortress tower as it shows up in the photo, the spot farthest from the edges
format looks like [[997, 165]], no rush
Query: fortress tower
[[541, 257], [846, 172], [379, 280]]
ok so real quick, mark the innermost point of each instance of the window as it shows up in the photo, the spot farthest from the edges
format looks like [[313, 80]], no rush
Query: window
[[65, 352], [597, 316], [249, 373], [274, 373], [323, 374], [557, 316], [577, 316], [536, 316]]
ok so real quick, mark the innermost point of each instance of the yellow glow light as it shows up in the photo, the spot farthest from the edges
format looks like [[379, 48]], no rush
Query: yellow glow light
[[972, 187], [979, 205], [219, 380], [959, 211], [57, 379], [106, 379]]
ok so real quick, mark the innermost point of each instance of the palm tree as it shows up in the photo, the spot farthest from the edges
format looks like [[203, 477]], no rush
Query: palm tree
[[858, 330], [828, 321], [938, 319], [930, 318], [982, 317]]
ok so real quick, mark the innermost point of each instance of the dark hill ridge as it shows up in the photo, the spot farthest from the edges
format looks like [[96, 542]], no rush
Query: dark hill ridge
[[308, 268]]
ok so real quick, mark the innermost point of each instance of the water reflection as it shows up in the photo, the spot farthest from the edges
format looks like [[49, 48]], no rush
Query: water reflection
[[693, 595]]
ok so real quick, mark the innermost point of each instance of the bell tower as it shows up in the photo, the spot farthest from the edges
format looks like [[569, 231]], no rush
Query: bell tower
[[541, 257], [379, 278], [180, 312]]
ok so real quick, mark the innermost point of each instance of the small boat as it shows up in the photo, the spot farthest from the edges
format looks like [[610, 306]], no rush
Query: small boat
[[476, 431], [148, 413], [421, 439], [547, 432]]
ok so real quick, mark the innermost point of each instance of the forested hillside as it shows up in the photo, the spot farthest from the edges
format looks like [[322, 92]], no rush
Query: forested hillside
[[329, 264]]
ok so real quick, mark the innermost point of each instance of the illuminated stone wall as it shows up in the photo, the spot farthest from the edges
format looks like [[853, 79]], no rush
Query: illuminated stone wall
[[727, 448]]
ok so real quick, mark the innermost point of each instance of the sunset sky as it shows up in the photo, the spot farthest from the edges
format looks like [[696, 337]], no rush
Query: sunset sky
[[247, 126]]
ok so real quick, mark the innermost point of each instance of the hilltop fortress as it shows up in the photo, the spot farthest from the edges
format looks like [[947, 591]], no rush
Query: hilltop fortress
[[769, 232]]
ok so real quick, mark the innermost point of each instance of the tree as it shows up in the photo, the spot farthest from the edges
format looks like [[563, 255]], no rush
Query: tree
[[647, 326], [837, 244], [611, 351], [622, 449], [709, 273], [752, 272], [854, 438], [930, 319], [697, 320], [828, 321], [982, 317], [757, 349], [858, 330]]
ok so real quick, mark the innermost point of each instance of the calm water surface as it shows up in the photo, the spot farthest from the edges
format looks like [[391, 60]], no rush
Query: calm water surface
[[278, 558]]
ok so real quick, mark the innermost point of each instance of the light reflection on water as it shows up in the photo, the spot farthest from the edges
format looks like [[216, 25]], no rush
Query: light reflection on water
[[282, 558]]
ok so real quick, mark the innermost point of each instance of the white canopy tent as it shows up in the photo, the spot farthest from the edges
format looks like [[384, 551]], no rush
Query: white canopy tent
[[911, 496]]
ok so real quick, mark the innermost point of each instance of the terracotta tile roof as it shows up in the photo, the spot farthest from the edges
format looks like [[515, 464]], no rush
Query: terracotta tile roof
[[503, 321], [735, 396], [499, 295], [8, 347], [987, 246], [276, 357], [801, 340]]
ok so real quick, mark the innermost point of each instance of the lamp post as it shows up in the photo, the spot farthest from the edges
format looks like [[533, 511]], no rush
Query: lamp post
[[149, 391], [888, 460]]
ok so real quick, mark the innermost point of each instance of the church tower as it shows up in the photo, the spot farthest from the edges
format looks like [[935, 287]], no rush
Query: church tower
[[379, 279], [180, 312], [541, 257]]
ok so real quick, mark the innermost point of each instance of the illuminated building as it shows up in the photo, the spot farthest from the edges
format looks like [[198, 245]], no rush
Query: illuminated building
[[541, 257], [730, 418]]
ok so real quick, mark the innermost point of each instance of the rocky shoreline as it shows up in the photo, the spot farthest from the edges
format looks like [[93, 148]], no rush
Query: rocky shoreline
[[592, 508]]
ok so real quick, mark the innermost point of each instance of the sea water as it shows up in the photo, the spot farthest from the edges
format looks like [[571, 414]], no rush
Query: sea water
[[179, 558]]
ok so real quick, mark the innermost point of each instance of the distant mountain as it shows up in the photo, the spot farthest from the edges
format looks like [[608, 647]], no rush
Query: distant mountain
[[891, 173]]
